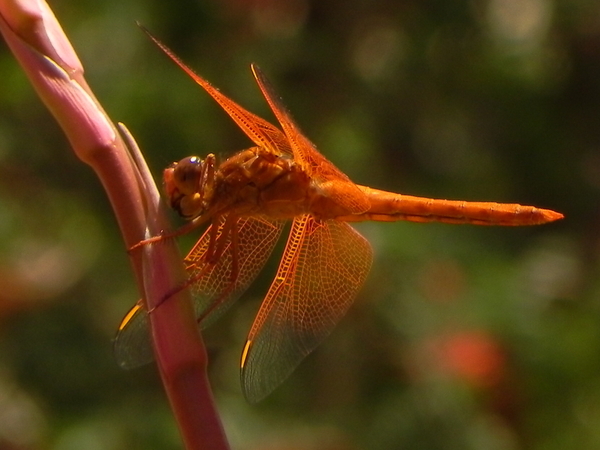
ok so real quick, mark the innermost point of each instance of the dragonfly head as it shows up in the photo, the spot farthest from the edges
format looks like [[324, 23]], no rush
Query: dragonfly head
[[188, 185]]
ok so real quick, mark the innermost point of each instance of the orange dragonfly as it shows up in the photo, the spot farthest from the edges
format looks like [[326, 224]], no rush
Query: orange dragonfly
[[247, 199]]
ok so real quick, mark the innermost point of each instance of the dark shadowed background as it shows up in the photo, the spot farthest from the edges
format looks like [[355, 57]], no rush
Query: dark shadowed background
[[462, 338]]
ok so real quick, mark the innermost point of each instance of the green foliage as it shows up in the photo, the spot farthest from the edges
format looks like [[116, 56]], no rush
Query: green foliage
[[463, 337]]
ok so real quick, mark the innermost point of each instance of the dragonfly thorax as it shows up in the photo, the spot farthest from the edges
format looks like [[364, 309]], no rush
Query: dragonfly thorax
[[257, 181]]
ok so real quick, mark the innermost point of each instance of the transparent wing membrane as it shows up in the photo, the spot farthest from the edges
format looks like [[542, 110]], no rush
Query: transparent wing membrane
[[323, 267], [214, 286]]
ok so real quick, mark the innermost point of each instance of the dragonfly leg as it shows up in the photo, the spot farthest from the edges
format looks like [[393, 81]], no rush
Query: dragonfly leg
[[229, 230], [170, 234], [218, 241], [187, 283], [211, 257], [233, 277], [208, 177]]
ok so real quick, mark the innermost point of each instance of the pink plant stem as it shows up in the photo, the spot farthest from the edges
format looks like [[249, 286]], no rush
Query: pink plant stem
[[47, 57]]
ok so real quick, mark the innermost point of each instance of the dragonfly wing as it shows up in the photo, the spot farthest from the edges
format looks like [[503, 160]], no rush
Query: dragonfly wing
[[332, 180], [213, 291], [323, 267], [259, 130], [131, 346]]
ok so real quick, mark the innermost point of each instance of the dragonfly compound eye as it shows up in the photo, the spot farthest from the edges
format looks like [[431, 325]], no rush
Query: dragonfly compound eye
[[182, 184], [187, 174]]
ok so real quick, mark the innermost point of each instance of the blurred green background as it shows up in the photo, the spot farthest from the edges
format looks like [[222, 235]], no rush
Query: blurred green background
[[463, 337]]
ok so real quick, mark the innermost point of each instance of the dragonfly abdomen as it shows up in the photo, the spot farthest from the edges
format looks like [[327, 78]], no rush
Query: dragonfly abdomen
[[391, 207]]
